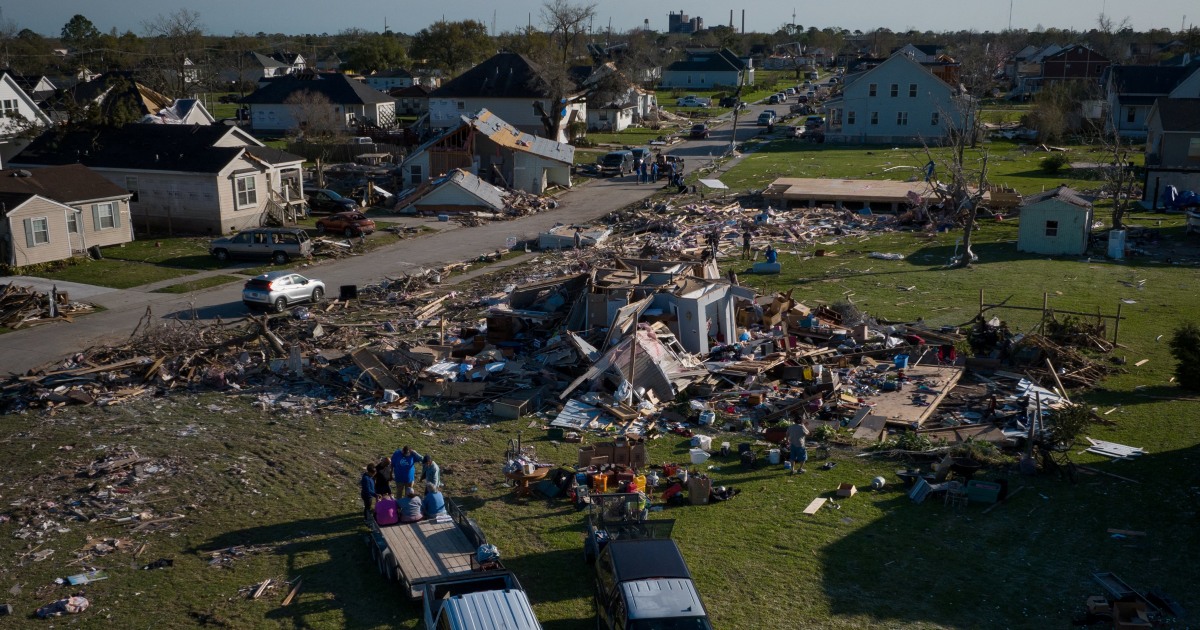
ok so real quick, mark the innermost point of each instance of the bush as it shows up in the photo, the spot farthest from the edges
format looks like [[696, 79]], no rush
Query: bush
[[1055, 162], [1185, 347]]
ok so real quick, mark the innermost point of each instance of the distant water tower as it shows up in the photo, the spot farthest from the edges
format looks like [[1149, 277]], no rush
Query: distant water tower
[[646, 24]]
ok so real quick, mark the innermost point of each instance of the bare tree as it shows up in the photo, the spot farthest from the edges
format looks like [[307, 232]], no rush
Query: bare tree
[[967, 184], [317, 118], [1119, 176], [179, 36], [567, 23]]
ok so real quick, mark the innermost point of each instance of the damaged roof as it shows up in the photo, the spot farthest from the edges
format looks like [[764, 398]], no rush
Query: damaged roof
[[504, 75], [509, 136], [1065, 194], [338, 88]]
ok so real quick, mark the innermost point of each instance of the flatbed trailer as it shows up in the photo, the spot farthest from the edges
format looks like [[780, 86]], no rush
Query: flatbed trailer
[[416, 554]]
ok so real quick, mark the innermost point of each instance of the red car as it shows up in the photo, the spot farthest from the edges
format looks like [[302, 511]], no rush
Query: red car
[[347, 223], [699, 131]]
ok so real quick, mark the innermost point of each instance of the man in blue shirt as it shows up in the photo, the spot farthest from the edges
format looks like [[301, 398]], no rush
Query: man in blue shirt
[[772, 256], [404, 467]]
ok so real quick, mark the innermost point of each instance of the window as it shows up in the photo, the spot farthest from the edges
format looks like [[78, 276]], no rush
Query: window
[[72, 223], [1052, 228], [246, 193], [462, 105], [415, 174], [895, 90], [8, 107], [1194, 149], [872, 89], [850, 118], [105, 216], [874, 118], [37, 231], [1131, 115], [912, 90], [934, 119], [131, 184], [902, 118]]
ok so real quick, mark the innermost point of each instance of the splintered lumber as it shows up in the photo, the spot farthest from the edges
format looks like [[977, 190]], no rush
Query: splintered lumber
[[295, 589], [261, 587], [374, 368]]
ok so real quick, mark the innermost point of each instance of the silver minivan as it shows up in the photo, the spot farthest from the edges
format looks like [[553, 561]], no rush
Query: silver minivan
[[278, 244]]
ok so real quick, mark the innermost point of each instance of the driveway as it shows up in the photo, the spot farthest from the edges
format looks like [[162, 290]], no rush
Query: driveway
[[22, 350]]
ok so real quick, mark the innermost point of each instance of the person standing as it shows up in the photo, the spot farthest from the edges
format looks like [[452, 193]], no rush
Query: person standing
[[431, 472], [578, 238], [797, 436], [654, 173], [383, 477], [366, 488], [747, 235], [404, 467]]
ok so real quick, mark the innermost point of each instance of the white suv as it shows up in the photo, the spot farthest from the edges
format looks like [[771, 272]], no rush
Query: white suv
[[279, 289]]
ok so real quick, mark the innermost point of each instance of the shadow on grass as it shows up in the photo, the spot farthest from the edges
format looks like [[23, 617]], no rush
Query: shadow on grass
[[553, 575], [960, 567]]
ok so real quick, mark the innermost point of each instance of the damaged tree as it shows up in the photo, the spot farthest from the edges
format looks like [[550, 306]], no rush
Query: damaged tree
[[566, 22], [957, 197]]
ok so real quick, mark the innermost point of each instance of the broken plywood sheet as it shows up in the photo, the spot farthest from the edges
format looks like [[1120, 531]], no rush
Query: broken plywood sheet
[[972, 432], [898, 407], [1114, 450], [870, 428], [815, 505]]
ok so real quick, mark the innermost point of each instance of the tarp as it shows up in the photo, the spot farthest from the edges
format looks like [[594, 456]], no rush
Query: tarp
[[714, 183]]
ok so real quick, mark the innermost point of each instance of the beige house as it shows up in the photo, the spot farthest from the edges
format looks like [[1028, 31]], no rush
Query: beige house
[[56, 212], [201, 179]]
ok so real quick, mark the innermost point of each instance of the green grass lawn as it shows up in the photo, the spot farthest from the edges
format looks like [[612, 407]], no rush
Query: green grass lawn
[[184, 252], [633, 136], [116, 274]]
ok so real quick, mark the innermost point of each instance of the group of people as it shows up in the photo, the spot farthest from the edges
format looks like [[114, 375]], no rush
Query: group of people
[[375, 488]]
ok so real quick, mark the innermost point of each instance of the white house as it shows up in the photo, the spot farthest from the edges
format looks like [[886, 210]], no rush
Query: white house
[[510, 86], [1131, 91], [354, 103], [897, 101], [388, 80], [18, 114], [707, 69]]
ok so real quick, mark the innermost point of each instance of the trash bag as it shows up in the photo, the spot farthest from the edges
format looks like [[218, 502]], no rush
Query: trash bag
[[487, 553]]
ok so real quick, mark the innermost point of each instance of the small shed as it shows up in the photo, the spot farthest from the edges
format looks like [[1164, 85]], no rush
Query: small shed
[[460, 192], [1057, 222]]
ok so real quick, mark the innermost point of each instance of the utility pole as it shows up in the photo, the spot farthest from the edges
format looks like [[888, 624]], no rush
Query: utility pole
[[1010, 3]]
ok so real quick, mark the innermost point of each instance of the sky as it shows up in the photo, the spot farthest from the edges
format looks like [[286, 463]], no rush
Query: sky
[[223, 17]]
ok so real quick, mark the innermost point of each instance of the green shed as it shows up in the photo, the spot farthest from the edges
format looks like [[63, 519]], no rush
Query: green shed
[[1057, 222]]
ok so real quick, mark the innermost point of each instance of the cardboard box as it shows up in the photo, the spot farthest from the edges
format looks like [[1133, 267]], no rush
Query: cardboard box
[[846, 490], [1098, 605], [698, 489]]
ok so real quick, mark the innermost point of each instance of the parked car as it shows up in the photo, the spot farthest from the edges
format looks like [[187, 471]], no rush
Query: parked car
[[813, 75], [774, 99], [790, 91], [729, 101], [279, 289], [766, 118], [324, 201], [692, 100], [229, 99], [813, 122], [352, 223], [699, 131], [278, 244], [616, 163]]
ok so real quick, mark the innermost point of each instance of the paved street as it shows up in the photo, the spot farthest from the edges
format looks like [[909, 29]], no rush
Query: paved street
[[33, 347]]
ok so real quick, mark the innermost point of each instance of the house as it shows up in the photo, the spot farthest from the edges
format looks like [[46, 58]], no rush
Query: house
[[1025, 69], [708, 68], [387, 80], [458, 192], [273, 108], [56, 212], [614, 100], [1173, 143], [899, 100], [295, 61], [490, 148], [921, 53], [189, 178], [1076, 62], [1130, 92], [412, 100], [329, 63], [183, 111], [19, 116], [251, 68], [38, 87], [1056, 223], [512, 87]]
